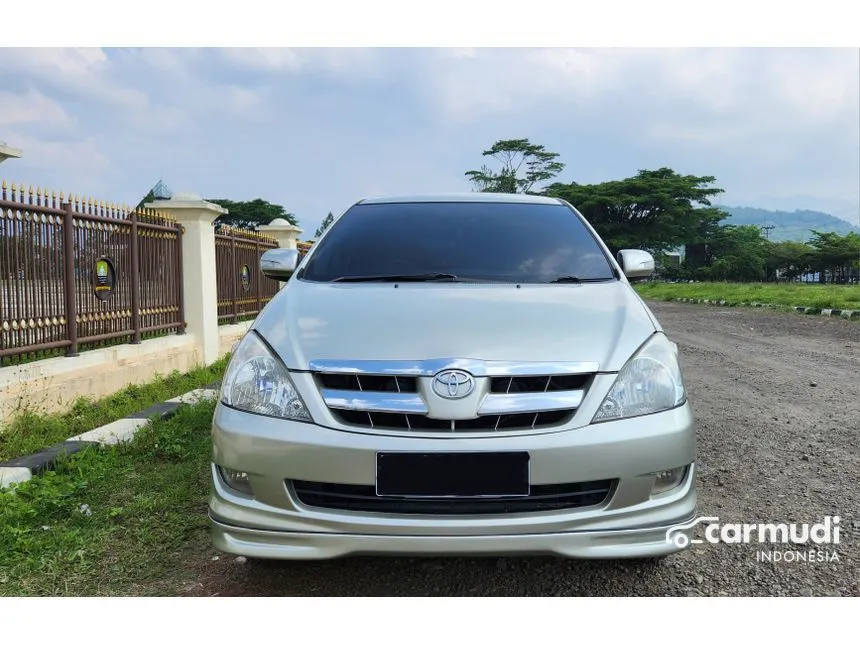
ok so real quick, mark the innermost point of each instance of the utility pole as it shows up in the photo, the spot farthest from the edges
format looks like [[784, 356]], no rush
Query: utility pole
[[767, 228]]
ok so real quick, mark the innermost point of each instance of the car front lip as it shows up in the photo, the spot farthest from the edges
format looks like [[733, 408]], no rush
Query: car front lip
[[274, 524], [622, 543]]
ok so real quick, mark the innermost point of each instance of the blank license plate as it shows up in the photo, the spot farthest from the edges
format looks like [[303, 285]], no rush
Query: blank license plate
[[452, 474]]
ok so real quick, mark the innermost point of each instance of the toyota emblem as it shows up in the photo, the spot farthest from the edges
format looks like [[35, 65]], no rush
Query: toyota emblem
[[453, 384]]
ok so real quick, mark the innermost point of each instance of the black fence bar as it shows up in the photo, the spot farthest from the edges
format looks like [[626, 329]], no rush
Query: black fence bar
[[243, 290], [74, 272], [71, 305]]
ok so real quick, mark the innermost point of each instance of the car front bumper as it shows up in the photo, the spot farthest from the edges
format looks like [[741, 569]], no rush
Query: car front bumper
[[273, 524]]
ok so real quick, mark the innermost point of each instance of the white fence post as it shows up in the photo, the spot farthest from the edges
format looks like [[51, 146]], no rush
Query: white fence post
[[285, 234], [199, 283]]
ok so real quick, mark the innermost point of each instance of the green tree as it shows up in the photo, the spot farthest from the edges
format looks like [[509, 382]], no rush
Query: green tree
[[325, 224], [251, 214], [656, 210], [149, 197], [523, 164], [834, 255], [791, 259], [739, 254]]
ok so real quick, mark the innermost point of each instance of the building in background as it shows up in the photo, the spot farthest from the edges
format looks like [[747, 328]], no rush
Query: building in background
[[8, 153]]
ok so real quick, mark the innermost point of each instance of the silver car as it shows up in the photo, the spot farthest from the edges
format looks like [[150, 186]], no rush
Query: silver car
[[454, 375]]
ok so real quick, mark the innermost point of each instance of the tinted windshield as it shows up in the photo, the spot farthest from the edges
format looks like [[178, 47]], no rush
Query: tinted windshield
[[507, 242]]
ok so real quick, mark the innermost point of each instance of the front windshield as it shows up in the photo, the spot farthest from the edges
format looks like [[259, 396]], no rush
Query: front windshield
[[480, 241]]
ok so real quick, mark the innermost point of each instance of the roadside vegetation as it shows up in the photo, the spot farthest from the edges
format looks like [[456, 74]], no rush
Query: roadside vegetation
[[675, 216], [663, 211], [829, 296], [29, 431], [116, 520]]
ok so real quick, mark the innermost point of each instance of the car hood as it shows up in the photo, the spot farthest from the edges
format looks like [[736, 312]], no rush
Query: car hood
[[600, 322]]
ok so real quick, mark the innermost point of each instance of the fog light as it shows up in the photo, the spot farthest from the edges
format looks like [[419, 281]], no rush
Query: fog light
[[666, 480], [236, 479]]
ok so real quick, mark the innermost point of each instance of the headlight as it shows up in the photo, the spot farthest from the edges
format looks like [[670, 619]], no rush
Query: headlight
[[650, 382], [256, 381]]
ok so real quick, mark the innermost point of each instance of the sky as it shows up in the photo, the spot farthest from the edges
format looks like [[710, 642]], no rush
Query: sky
[[318, 129]]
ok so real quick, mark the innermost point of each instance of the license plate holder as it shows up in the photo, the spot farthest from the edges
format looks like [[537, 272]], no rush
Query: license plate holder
[[452, 474]]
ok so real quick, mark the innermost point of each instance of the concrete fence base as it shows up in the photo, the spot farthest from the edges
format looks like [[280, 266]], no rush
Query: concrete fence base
[[53, 385]]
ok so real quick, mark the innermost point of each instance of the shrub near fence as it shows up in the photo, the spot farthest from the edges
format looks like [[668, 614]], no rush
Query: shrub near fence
[[67, 273], [243, 290]]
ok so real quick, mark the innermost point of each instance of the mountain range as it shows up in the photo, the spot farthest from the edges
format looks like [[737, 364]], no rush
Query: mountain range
[[788, 225]]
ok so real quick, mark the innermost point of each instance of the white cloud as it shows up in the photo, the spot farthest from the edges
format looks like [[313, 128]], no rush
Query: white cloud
[[346, 63], [31, 107], [79, 162], [764, 121], [817, 86], [725, 134], [485, 82], [158, 120], [271, 59], [762, 87], [172, 62], [70, 64], [84, 72], [242, 100]]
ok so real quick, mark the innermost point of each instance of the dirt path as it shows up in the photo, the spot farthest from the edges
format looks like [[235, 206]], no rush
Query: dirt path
[[777, 401]]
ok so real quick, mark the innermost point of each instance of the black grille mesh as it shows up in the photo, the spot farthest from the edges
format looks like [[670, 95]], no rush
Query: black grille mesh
[[552, 497], [368, 383], [516, 384]]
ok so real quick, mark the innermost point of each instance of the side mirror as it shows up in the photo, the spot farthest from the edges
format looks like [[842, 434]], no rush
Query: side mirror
[[636, 263], [279, 264]]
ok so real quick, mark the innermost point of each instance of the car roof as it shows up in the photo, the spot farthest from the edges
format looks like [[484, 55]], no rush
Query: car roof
[[517, 198]]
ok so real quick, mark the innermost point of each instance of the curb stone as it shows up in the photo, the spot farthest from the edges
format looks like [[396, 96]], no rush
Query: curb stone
[[10, 475], [22, 469], [848, 314]]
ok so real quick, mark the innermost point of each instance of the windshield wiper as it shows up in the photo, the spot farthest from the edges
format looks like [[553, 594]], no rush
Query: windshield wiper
[[413, 277], [572, 279]]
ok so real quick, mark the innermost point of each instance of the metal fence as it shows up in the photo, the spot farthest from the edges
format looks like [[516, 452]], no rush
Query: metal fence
[[243, 290], [67, 269], [303, 249]]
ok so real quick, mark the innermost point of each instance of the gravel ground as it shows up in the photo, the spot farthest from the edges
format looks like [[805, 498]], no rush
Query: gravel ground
[[776, 397]]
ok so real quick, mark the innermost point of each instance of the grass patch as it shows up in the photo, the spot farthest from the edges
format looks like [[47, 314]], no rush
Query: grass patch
[[830, 296], [111, 521], [27, 431]]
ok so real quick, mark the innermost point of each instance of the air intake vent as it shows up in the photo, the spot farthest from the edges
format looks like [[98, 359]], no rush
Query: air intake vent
[[553, 497]]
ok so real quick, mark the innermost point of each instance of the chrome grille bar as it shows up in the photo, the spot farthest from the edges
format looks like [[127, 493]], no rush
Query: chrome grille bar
[[397, 395], [530, 402], [397, 402], [432, 366]]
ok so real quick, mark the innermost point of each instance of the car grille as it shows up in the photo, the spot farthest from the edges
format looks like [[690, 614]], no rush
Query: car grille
[[550, 497], [493, 422], [398, 396], [498, 385]]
